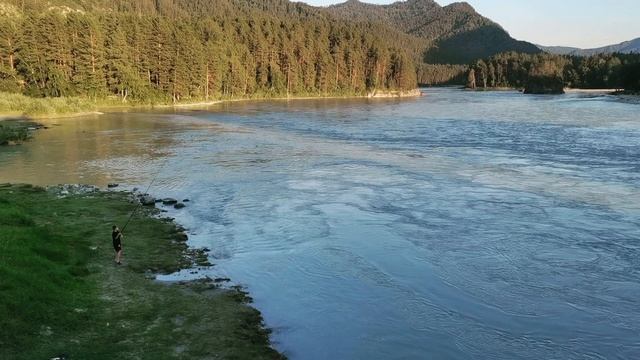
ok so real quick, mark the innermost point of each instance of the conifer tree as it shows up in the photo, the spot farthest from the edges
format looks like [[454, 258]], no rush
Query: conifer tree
[[120, 73], [9, 47], [87, 49]]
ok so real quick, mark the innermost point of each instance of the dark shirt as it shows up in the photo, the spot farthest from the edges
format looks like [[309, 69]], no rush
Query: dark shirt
[[116, 236]]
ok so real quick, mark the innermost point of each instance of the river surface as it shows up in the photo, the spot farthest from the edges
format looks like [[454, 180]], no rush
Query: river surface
[[459, 225]]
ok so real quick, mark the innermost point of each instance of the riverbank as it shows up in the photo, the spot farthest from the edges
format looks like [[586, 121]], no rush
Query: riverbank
[[62, 295], [566, 90], [481, 89], [14, 106], [590, 91], [394, 93], [627, 92], [21, 106]]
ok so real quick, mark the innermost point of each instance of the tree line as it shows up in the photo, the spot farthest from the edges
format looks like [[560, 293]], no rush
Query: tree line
[[175, 50], [604, 71], [441, 74]]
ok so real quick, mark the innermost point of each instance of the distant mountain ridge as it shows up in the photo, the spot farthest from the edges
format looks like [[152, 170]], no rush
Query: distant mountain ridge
[[626, 47], [454, 34]]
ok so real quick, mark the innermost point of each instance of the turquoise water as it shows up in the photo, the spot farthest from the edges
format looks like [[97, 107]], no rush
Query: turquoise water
[[454, 226]]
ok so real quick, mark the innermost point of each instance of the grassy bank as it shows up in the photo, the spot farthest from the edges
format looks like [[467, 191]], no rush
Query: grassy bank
[[21, 105], [18, 105], [61, 293]]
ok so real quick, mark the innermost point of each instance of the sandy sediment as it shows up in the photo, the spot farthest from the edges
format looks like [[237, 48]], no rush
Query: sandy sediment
[[590, 91], [394, 93]]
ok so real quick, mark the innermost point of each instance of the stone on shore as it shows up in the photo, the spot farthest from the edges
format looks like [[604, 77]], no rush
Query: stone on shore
[[179, 205], [72, 189], [169, 201], [112, 185], [147, 200], [181, 237]]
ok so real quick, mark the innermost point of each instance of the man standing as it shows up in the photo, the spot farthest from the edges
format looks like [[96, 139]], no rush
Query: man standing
[[116, 236]]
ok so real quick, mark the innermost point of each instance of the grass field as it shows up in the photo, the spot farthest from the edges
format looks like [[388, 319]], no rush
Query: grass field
[[21, 105], [61, 293]]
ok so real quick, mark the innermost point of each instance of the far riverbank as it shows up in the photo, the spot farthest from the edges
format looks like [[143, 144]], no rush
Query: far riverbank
[[15, 106], [566, 90]]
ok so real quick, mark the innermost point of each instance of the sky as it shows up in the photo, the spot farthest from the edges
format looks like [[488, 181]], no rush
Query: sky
[[577, 23]]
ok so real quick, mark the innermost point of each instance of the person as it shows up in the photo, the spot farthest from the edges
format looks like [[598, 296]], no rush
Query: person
[[116, 236]]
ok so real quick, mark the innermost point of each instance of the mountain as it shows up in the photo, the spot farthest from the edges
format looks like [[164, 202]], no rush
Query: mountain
[[559, 50], [453, 34], [627, 47]]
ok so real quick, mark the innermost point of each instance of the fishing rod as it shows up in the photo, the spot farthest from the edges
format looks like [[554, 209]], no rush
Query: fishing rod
[[145, 192]]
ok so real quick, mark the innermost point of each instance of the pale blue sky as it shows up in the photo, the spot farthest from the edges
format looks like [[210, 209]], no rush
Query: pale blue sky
[[579, 23]]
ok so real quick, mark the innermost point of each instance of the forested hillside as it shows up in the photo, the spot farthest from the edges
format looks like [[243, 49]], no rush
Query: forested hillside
[[193, 49], [453, 34]]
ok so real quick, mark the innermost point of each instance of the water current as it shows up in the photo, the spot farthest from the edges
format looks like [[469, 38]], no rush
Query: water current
[[459, 225]]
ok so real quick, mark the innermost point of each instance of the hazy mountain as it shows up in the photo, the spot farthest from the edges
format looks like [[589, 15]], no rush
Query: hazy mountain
[[559, 50], [455, 33], [627, 47]]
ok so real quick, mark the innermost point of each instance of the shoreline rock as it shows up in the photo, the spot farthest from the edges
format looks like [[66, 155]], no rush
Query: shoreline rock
[[147, 200], [169, 201]]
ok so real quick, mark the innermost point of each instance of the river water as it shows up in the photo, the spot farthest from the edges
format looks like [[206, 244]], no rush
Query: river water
[[459, 225]]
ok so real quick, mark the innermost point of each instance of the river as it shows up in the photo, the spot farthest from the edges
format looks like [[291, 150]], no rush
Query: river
[[458, 225]]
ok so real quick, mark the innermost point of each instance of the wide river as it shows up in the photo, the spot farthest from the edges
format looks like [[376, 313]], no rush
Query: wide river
[[460, 225]]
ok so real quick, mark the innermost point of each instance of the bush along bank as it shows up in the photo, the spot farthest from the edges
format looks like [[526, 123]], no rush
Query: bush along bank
[[61, 294]]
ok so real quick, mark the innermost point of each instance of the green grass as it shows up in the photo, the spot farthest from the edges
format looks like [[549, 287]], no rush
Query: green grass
[[21, 105], [18, 105], [61, 293]]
